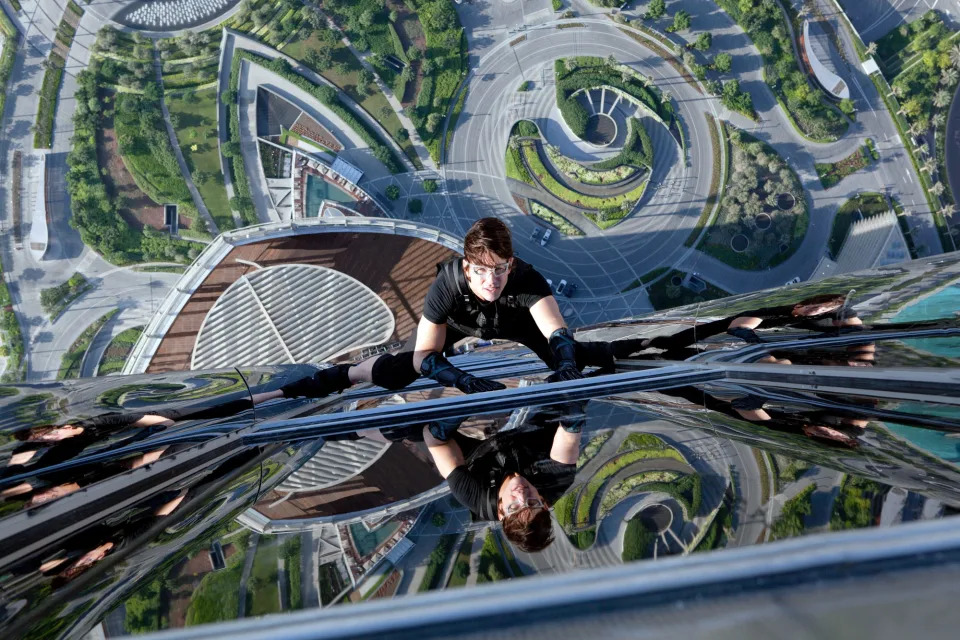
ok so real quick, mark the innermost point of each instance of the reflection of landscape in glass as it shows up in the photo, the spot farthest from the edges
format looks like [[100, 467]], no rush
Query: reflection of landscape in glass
[[367, 540], [318, 190]]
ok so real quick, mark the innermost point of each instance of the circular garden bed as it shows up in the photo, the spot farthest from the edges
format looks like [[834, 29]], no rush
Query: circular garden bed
[[739, 243]]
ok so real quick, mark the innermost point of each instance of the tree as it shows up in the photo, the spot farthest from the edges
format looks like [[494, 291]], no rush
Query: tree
[[415, 205], [937, 189], [433, 121], [402, 134], [612, 61], [929, 166], [231, 149], [703, 41], [427, 67], [413, 52], [941, 98], [723, 62], [955, 55], [342, 68], [364, 79], [914, 129], [393, 16], [430, 185], [367, 18], [327, 94], [657, 9], [871, 48], [938, 120], [681, 21], [392, 192], [949, 76], [320, 59]]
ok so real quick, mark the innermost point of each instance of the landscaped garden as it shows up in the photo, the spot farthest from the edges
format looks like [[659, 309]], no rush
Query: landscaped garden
[[671, 291], [864, 205], [832, 173], [12, 348], [217, 598], [554, 219], [437, 562], [491, 567], [54, 300], [263, 590], [806, 104], [72, 360], [854, 506], [790, 522], [763, 215], [117, 352]]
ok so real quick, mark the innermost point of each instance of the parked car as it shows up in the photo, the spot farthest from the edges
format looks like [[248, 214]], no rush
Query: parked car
[[546, 237], [571, 289], [793, 280], [536, 233], [563, 283]]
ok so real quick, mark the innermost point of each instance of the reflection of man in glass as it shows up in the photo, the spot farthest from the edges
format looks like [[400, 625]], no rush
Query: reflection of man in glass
[[515, 476]]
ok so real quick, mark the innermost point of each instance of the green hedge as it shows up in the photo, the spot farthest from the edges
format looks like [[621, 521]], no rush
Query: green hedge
[[13, 338], [55, 299], [637, 149], [7, 58], [47, 106], [436, 562]]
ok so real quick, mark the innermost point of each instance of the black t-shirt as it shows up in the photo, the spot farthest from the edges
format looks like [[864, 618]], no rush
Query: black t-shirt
[[526, 451], [450, 301]]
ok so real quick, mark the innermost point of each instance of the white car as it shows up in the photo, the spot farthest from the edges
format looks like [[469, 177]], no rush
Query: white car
[[546, 237], [550, 283], [795, 280], [560, 287]]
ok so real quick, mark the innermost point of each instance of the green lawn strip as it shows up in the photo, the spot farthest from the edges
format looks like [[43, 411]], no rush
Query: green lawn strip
[[806, 105], [143, 609], [55, 299], [243, 199], [511, 560], [291, 554], [70, 361], [764, 479], [491, 566], [454, 117], [12, 347], [217, 597], [714, 194], [646, 278], [641, 441], [570, 196], [637, 540], [869, 204], [832, 173], [611, 467], [116, 353], [461, 567], [74, 8], [714, 537], [263, 591], [550, 216], [631, 485], [327, 96], [665, 295], [437, 562], [513, 164], [7, 58], [345, 74], [789, 523], [197, 136], [563, 507], [47, 104]]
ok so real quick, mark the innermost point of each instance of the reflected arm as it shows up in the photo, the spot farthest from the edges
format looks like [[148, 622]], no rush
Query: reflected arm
[[447, 455]]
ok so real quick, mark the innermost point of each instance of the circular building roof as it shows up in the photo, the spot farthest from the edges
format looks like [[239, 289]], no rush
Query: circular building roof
[[290, 314]]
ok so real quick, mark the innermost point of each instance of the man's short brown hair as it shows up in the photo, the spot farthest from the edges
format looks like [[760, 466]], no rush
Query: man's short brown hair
[[487, 235], [530, 529]]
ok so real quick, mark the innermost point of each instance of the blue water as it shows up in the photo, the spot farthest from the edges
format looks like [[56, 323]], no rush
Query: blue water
[[942, 304], [318, 190]]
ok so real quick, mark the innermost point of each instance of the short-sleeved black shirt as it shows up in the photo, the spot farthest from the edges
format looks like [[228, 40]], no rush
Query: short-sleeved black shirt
[[450, 301], [525, 451]]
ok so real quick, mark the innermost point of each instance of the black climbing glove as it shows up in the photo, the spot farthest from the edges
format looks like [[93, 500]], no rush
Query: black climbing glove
[[322, 383], [443, 429], [747, 335], [438, 368], [564, 350]]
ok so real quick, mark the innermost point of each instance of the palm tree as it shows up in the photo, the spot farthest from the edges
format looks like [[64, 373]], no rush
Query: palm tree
[[871, 48], [938, 119], [914, 129], [896, 90], [949, 76], [937, 189], [955, 55], [923, 150], [928, 165], [941, 98], [665, 96], [946, 211]]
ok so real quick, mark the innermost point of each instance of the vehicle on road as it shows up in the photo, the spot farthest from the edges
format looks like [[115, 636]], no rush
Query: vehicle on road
[[571, 289], [794, 280], [536, 233], [563, 283], [546, 237]]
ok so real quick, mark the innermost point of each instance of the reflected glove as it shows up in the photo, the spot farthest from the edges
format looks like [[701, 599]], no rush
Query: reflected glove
[[564, 350], [321, 384], [443, 429], [747, 335], [748, 403], [438, 368]]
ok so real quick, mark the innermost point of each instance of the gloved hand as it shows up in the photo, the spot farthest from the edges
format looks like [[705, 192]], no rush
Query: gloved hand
[[438, 368], [443, 429], [564, 350]]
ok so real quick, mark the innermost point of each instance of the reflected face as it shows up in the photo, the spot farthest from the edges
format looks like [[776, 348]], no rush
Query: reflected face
[[515, 490], [488, 276]]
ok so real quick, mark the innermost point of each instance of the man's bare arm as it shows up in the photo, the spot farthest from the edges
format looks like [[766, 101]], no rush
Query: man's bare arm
[[446, 455], [430, 338], [546, 313], [566, 446]]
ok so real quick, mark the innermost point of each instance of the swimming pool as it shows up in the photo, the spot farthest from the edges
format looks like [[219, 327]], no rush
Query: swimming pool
[[318, 190]]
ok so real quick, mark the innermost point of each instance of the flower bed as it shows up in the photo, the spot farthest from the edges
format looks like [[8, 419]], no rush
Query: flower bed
[[550, 216], [832, 173], [576, 171]]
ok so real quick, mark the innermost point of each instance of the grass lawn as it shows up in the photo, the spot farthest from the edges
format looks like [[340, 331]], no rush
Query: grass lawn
[[197, 135], [118, 350], [868, 204], [218, 596], [461, 567], [263, 592], [54, 300], [491, 567], [375, 103], [664, 294], [832, 173]]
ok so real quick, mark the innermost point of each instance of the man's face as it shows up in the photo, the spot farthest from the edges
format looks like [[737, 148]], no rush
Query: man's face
[[488, 276], [514, 494]]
